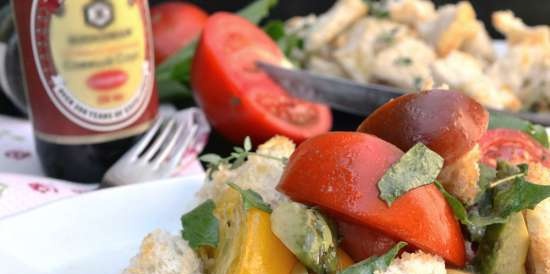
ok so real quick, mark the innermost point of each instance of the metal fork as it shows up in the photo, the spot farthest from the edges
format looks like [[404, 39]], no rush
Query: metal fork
[[156, 155]]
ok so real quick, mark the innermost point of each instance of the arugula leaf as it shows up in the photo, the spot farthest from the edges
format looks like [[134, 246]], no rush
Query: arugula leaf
[[251, 199], [419, 166], [287, 42], [257, 10], [372, 264], [501, 120], [173, 75], [200, 226], [458, 208]]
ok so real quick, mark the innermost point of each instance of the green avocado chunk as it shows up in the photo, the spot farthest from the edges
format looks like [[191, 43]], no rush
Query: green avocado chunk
[[503, 249], [306, 233]]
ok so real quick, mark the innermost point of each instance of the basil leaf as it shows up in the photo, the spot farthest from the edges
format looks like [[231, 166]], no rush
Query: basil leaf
[[518, 195], [257, 10], [251, 199], [200, 226], [509, 192], [419, 166], [501, 120], [372, 264], [458, 208]]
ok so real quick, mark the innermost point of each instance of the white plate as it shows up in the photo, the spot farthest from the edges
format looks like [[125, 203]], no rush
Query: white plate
[[94, 233]]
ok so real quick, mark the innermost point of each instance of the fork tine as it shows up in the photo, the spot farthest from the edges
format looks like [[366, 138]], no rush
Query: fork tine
[[145, 140], [153, 149], [176, 157], [173, 139]]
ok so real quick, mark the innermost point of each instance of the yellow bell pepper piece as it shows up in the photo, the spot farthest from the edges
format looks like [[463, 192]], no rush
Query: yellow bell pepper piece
[[261, 251], [344, 261]]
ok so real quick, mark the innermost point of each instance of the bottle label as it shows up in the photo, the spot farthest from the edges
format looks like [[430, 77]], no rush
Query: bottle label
[[94, 65]]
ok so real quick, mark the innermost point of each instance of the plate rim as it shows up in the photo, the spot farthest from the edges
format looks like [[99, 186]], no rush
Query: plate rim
[[97, 193]]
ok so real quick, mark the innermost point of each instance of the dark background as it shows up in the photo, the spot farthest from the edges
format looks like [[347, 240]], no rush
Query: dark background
[[533, 12]]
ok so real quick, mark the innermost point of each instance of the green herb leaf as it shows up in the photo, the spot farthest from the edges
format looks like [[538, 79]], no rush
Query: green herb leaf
[[211, 158], [287, 42], [507, 192], [257, 10], [459, 210], [200, 226], [377, 9], [251, 198], [403, 61], [419, 166], [372, 264], [501, 120]]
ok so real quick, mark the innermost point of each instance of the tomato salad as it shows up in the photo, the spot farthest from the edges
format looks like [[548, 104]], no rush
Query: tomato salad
[[383, 199]]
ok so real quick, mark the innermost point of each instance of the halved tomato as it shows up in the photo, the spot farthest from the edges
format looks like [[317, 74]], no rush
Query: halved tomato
[[339, 172], [175, 24], [238, 98], [513, 146], [448, 122]]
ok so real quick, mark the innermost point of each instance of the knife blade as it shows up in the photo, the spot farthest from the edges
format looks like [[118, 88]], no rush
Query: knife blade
[[341, 94], [353, 97]]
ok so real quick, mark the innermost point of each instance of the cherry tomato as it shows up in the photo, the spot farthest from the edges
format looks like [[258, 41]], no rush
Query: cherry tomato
[[175, 24], [448, 122], [361, 242], [239, 99], [513, 146], [339, 172]]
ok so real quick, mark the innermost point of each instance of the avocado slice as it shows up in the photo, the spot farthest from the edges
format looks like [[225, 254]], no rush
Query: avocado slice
[[503, 249], [307, 234]]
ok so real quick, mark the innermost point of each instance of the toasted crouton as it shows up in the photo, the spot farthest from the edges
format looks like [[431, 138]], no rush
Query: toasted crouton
[[334, 21], [460, 177], [162, 253], [411, 12], [453, 25], [362, 42], [463, 72], [258, 173], [415, 263], [405, 64], [538, 225], [517, 32], [480, 45]]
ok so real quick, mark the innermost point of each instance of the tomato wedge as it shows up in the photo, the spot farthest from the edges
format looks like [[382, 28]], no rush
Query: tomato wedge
[[448, 122], [175, 24], [361, 242], [512, 145], [339, 172], [239, 99]]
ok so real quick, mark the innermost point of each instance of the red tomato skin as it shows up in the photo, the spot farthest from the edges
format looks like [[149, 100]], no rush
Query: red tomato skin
[[512, 145], [448, 122], [339, 172], [361, 242], [175, 24], [230, 97]]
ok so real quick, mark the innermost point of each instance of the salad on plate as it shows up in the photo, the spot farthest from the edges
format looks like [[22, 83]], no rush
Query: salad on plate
[[429, 183]]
